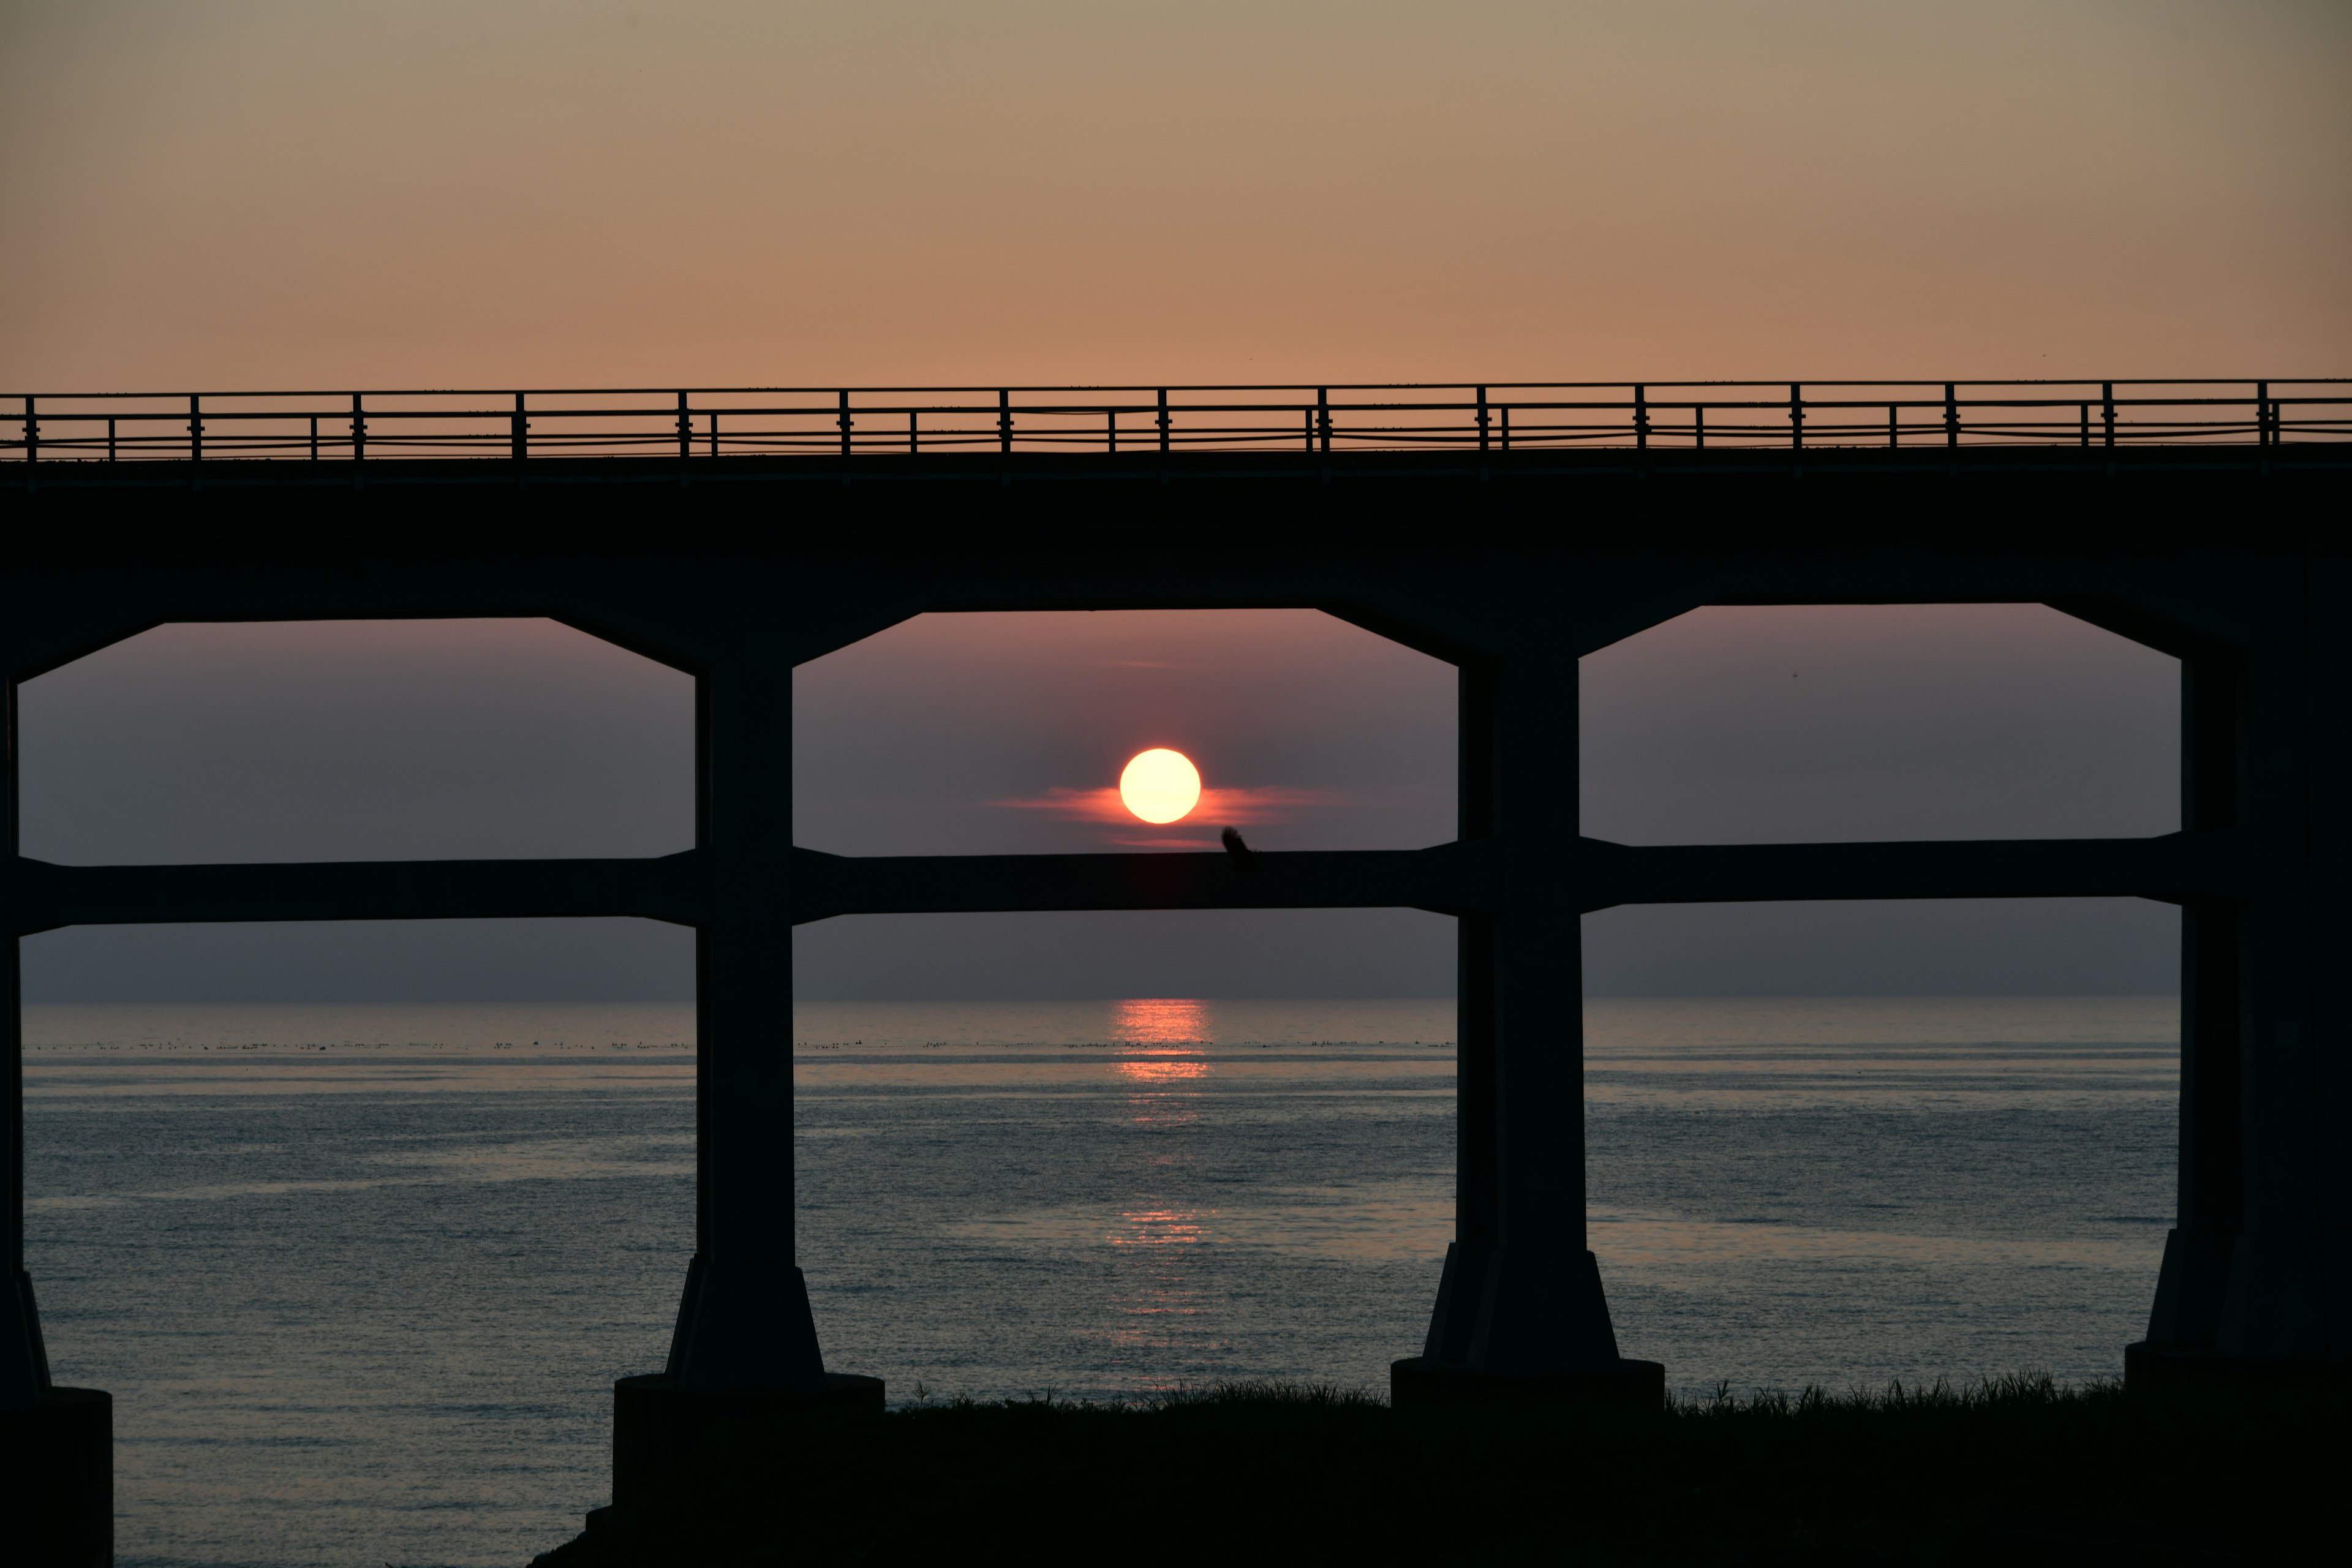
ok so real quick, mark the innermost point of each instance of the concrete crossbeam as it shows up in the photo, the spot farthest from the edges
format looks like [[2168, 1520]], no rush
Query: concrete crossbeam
[[46, 896], [1448, 879], [2171, 867]]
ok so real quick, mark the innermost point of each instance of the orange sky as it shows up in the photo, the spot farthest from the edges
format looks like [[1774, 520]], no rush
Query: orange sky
[[298, 192]]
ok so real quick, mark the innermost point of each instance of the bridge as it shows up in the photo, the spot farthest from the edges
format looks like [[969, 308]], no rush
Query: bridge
[[734, 534]]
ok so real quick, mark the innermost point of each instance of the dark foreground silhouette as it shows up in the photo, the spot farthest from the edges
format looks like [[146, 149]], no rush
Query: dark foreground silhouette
[[2018, 1471]]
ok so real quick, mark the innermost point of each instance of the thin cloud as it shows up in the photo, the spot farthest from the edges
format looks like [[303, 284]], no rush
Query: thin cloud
[[1219, 808]]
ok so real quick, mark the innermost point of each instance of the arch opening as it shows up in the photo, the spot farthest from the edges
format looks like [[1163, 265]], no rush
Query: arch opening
[[283, 740], [1820, 723], [1006, 734]]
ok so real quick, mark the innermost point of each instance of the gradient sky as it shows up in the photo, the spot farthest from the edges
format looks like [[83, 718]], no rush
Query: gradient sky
[[248, 193], [300, 193]]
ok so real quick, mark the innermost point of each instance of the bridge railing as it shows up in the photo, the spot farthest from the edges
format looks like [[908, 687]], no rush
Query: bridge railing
[[700, 423]]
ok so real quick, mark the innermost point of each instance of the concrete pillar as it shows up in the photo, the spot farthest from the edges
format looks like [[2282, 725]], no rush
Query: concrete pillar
[[24, 1366], [2197, 1253], [2271, 1308], [745, 1322], [745, 1344], [1520, 1309], [2329, 641], [2244, 1294], [57, 1444]]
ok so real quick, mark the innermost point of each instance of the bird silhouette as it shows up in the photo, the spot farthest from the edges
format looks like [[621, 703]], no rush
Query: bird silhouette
[[1245, 857]]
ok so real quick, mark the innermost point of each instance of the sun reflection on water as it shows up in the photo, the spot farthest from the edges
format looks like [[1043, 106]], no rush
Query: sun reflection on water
[[1161, 1032], [1160, 1227], [1161, 1021], [1160, 1069], [1163, 1058]]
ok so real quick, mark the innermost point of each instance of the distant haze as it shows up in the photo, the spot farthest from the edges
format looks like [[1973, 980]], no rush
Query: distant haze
[[993, 733]]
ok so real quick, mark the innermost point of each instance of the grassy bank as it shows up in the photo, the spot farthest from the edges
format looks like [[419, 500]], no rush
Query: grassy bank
[[2015, 1471]]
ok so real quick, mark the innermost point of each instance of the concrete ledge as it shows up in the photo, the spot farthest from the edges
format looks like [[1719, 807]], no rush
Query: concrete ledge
[[656, 1424], [2159, 1369], [1631, 1387], [58, 1456]]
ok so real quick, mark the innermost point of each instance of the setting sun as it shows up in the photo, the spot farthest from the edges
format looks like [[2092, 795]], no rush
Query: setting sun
[[1159, 785]]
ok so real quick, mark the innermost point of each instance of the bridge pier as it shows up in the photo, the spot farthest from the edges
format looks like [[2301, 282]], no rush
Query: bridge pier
[[57, 1444], [1520, 1310], [745, 1345], [2256, 1284]]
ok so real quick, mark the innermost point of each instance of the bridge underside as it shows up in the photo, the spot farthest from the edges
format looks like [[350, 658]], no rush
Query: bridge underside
[[1510, 567]]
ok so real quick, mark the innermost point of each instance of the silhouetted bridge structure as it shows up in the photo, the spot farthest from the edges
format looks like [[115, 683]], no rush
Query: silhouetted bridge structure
[[1508, 530]]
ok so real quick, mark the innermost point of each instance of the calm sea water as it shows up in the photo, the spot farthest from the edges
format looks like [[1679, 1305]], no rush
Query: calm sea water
[[359, 1278]]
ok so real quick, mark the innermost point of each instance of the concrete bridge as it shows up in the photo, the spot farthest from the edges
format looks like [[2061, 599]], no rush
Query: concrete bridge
[[1506, 530]]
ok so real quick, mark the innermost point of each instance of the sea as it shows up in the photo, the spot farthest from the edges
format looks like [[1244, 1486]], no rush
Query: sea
[[360, 1278]]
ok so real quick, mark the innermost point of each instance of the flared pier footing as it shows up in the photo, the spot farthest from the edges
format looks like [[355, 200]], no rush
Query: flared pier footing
[[2161, 1369], [656, 1424], [1631, 1387], [58, 1456]]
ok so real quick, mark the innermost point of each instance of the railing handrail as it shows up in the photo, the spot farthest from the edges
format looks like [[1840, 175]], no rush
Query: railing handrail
[[1147, 389], [696, 423]]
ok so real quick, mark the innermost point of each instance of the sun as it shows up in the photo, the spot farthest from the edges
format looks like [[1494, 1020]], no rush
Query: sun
[[1159, 785]]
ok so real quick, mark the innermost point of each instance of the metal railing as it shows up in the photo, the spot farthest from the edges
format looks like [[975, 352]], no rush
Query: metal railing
[[772, 422]]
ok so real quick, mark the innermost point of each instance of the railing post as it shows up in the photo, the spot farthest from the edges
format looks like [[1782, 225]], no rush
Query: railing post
[[2107, 409], [1164, 419], [1323, 419], [109, 437], [518, 432], [2263, 436], [32, 430], [914, 436], [685, 428], [1698, 425], [2086, 424], [843, 418], [714, 433], [1506, 427], [314, 438], [1004, 421], [195, 428], [1482, 420], [1642, 418], [1110, 428], [1893, 427], [1796, 418], [359, 430], [1951, 414]]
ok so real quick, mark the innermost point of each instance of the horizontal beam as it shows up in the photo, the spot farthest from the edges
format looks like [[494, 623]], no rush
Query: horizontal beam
[[2169, 867], [46, 896], [1448, 879]]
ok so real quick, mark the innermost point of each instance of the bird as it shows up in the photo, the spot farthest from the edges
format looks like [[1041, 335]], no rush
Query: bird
[[1245, 857]]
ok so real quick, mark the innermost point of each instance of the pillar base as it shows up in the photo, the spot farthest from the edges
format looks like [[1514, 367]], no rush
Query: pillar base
[[1631, 1387], [2159, 1369], [58, 1456], [656, 1424]]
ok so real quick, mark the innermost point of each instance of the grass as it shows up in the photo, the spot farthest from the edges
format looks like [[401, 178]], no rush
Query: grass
[[2015, 1471]]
